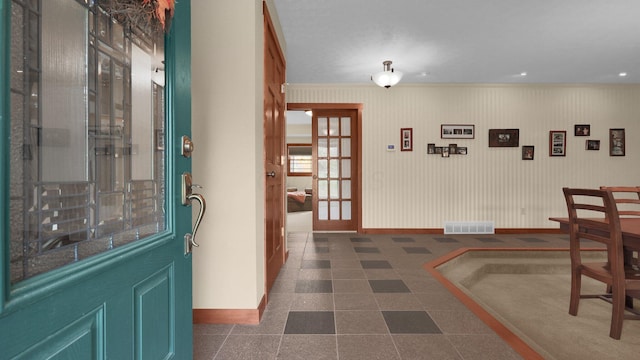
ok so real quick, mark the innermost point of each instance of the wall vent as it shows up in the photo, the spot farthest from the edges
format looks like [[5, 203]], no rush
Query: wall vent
[[469, 227]]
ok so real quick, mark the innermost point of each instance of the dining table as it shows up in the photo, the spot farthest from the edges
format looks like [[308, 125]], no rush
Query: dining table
[[630, 227]]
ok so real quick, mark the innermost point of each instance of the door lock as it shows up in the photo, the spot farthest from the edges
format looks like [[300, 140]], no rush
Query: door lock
[[187, 146]]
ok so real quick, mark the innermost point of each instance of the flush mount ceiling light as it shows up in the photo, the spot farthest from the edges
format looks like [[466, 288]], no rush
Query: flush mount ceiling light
[[386, 78]]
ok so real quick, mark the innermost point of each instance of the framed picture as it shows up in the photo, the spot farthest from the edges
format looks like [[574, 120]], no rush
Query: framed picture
[[457, 131], [431, 149], [557, 143], [453, 149], [439, 150], [462, 150], [616, 142], [406, 139], [528, 152], [504, 137], [592, 145], [582, 130], [445, 151]]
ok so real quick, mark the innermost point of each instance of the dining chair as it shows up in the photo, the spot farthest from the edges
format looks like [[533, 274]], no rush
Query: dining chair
[[627, 199], [628, 202], [593, 215]]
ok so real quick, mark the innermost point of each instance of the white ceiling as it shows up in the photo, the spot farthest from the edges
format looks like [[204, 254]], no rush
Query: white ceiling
[[462, 41]]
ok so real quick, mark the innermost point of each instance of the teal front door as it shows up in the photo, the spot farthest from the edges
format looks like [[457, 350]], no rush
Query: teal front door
[[94, 102]]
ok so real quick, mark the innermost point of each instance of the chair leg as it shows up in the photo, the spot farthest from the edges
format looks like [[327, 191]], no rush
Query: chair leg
[[574, 301], [617, 313]]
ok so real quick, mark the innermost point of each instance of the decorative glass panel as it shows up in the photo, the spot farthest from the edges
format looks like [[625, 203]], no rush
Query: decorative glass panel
[[346, 168], [334, 189], [346, 189], [334, 124], [323, 189], [334, 210], [73, 150], [322, 169], [323, 129], [334, 147], [322, 148], [323, 210], [346, 147], [333, 168], [346, 210], [345, 126]]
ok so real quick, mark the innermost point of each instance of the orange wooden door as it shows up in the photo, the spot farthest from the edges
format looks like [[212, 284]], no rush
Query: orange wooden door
[[335, 175], [274, 153]]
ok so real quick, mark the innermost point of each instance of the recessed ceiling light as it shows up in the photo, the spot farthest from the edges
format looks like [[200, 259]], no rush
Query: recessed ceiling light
[[524, 73], [622, 74]]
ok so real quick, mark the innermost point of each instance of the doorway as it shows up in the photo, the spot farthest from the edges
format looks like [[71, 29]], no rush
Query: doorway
[[336, 165], [299, 184]]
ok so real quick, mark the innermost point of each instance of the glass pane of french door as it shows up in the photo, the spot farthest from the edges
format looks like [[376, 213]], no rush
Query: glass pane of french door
[[87, 134]]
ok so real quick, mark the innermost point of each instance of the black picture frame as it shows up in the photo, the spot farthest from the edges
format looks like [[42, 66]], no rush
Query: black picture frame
[[528, 152], [616, 142], [582, 130], [504, 137], [592, 145]]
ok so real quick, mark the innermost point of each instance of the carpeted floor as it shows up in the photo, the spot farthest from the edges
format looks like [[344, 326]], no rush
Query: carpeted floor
[[528, 292]]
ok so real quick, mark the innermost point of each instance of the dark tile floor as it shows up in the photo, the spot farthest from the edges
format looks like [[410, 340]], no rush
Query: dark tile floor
[[350, 297]]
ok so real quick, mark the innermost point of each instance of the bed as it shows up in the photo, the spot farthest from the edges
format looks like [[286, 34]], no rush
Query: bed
[[299, 200]]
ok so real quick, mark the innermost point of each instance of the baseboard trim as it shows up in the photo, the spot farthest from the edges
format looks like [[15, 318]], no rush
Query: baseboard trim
[[230, 316], [440, 231]]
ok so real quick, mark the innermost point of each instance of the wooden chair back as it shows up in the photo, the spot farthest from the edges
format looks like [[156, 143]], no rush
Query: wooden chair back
[[627, 199], [593, 215]]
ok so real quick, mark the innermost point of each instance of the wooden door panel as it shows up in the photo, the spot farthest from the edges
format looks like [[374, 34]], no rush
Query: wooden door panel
[[274, 67]]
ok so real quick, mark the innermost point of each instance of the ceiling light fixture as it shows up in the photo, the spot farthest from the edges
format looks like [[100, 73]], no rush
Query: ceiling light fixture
[[622, 74], [388, 77]]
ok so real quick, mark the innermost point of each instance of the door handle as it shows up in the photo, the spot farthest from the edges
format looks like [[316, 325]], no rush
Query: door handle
[[187, 197], [271, 174], [203, 208]]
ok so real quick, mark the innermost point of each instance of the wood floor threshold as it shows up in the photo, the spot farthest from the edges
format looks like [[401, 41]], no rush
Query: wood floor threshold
[[230, 316]]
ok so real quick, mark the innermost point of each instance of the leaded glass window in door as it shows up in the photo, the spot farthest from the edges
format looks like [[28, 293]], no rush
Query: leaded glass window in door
[[87, 125]]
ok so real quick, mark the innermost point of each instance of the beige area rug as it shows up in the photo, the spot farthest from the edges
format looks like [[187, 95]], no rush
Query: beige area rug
[[528, 292]]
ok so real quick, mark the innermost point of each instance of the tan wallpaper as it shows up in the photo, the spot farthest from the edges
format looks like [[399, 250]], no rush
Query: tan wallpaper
[[404, 190]]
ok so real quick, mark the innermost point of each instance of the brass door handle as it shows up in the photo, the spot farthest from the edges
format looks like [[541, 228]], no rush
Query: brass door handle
[[271, 174]]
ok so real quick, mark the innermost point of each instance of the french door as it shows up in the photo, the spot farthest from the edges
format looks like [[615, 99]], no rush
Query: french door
[[93, 260], [335, 170]]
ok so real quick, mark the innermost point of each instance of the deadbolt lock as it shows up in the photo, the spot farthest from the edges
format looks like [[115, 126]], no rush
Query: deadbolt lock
[[187, 146]]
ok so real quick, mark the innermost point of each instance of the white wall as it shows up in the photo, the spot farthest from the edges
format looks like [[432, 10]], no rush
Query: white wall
[[227, 108], [404, 190]]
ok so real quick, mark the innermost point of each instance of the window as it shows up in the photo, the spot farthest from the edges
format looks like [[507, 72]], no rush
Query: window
[[299, 160]]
